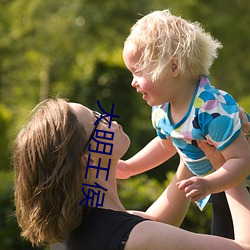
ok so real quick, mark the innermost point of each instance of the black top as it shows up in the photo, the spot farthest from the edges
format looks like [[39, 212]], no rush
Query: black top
[[102, 229]]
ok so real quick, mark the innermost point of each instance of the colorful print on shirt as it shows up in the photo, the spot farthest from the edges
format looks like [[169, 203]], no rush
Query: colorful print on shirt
[[213, 115]]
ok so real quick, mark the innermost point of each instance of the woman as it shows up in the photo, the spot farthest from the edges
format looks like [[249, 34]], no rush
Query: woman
[[56, 164]]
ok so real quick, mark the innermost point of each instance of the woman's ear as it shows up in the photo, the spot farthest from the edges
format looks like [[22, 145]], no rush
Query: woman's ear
[[90, 159], [87, 159], [175, 66]]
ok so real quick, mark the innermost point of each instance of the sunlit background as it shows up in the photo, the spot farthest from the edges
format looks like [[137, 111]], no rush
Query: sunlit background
[[72, 49]]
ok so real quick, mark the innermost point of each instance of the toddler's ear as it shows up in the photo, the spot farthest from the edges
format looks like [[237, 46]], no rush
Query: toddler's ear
[[175, 66]]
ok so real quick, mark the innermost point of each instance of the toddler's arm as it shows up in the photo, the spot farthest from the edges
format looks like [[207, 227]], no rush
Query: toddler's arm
[[153, 154], [234, 171]]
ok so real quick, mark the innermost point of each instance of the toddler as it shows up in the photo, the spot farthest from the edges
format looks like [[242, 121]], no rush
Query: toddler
[[170, 59]]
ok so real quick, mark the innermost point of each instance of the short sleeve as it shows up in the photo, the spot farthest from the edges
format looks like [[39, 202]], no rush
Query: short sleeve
[[159, 121], [162, 136], [219, 120]]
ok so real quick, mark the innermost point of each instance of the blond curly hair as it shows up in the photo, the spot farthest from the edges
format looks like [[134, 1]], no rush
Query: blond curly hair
[[49, 169], [160, 36]]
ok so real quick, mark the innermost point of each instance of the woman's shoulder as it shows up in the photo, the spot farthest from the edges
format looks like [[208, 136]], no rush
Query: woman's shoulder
[[102, 229]]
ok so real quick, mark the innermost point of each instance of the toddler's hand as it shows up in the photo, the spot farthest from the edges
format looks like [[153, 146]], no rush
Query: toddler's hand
[[122, 171], [194, 187]]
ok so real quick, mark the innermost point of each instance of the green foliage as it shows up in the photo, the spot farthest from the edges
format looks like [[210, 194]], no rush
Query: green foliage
[[5, 124], [245, 103], [228, 22], [139, 192], [9, 231], [73, 48]]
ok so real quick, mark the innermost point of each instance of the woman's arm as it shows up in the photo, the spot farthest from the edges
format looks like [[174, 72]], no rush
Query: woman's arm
[[160, 236], [239, 203], [171, 207]]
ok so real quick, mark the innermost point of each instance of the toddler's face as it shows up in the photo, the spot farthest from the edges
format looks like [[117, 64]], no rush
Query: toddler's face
[[152, 92]]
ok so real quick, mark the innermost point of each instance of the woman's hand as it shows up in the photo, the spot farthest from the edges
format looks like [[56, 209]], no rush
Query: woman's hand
[[245, 124]]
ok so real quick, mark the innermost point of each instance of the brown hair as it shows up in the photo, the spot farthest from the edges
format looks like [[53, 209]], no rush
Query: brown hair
[[49, 170]]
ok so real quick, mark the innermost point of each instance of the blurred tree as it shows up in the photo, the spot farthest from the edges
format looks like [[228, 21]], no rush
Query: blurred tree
[[10, 238], [244, 102], [72, 48], [5, 123], [51, 47], [228, 22]]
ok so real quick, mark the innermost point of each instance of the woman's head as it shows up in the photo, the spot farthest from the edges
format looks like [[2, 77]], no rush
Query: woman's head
[[50, 163], [87, 119], [49, 170], [161, 36]]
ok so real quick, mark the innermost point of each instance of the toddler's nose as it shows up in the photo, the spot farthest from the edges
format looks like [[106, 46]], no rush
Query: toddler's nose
[[134, 83]]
